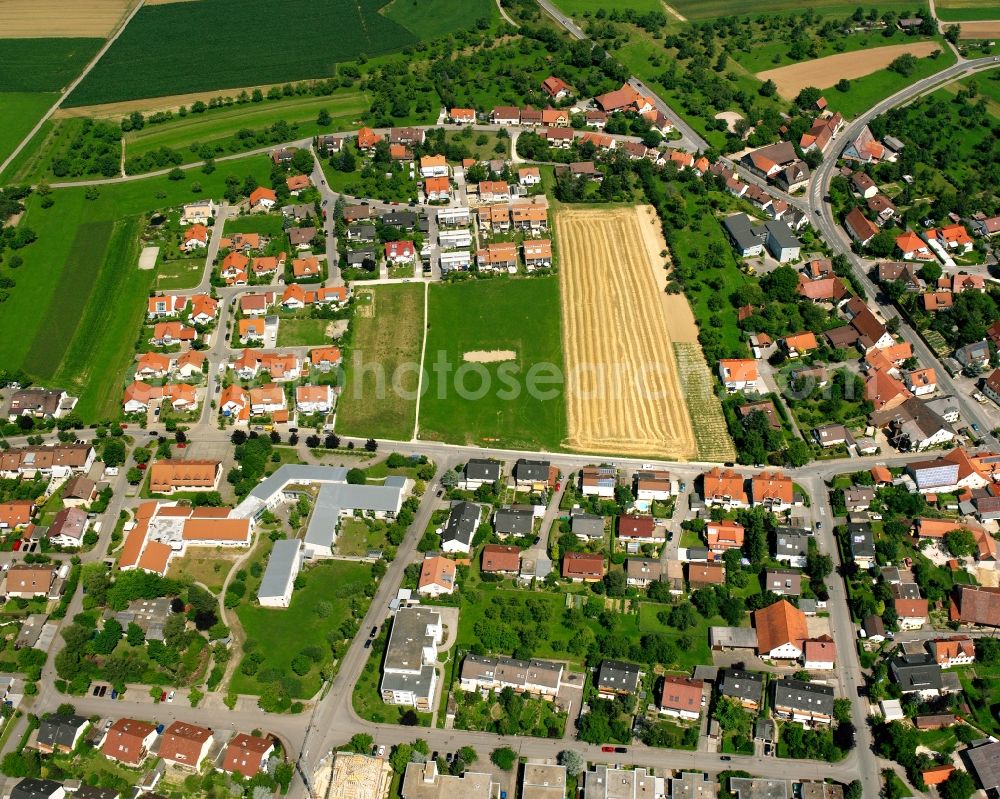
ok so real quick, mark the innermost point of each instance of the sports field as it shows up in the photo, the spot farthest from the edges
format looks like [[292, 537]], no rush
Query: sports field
[[471, 398], [216, 126], [19, 112], [79, 297], [175, 48], [825, 72], [623, 391], [386, 334], [26, 19]]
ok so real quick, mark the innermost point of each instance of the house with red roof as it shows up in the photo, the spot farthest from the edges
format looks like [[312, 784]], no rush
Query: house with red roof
[[263, 199], [247, 755], [556, 88], [912, 247], [195, 237], [128, 741]]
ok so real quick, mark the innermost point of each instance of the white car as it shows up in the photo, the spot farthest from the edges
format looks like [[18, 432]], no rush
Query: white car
[[170, 696], [381, 751]]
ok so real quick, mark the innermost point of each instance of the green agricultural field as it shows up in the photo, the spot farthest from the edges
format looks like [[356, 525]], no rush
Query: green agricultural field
[[280, 634], [218, 126], [19, 112], [174, 48], [521, 315], [966, 10], [584, 8], [386, 336], [872, 89], [768, 55], [79, 297], [709, 9], [43, 65], [427, 19]]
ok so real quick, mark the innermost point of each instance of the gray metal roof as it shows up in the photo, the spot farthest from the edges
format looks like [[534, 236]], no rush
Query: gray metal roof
[[781, 233], [740, 231], [741, 684], [408, 638], [805, 696], [279, 567], [616, 675], [526, 469], [462, 523], [588, 525], [985, 762], [482, 469], [513, 521]]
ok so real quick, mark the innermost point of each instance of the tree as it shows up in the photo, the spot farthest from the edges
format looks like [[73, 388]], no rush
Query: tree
[[960, 543], [114, 453], [843, 85], [175, 174], [768, 88], [573, 762], [930, 272], [958, 786], [361, 743], [134, 476], [503, 758], [323, 119], [614, 583], [842, 709], [135, 636], [904, 64], [853, 791], [356, 476]]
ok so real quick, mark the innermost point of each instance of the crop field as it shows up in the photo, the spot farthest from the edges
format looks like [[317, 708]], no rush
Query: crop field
[[171, 49], [28, 19], [623, 391], [825, 72], [386, 335], [580, 8], [710, 9], [42, 65], [19, 112], [980, 30], [485, 341], [427, 19], [186, 133], [79, 296], [964, 10]]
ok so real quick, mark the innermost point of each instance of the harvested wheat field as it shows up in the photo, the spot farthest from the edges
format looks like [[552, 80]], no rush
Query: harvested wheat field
[[623, 394], [31, 19], [825, 72], [988, 29]]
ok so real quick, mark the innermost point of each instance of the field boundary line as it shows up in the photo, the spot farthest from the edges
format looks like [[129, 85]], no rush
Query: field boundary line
[[420, 373]]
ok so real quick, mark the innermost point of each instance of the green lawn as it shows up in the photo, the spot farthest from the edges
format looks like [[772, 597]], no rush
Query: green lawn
[[19, 112], [79, 297], [385, 340], [178, 273], [768, 55], [521, 315], [691, 645], [218, 125], [282, 633], [357, 537], [295, 332]]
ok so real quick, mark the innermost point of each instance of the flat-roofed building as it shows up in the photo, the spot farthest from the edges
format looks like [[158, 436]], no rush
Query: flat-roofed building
[[409, 676]]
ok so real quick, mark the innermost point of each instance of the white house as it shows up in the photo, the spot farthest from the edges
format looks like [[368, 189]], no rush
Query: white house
[[739, 374], [314, 399], [279, 577], [409, 673]]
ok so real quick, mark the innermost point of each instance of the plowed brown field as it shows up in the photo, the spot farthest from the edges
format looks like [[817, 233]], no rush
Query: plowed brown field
[[29, 19], [623, 394]]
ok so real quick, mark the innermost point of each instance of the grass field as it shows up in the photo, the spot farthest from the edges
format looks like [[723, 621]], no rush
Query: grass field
[[966, 10], [427, 19], [302, 332], [79, 296], [870, 90], [179, 273], [182, 133], [209, 568], [709, 9], [166, 49], [497, 314], [19, 112], [579, 8], [768, 55], [43, 65], [281, 634], [56, 140], [386, 333]]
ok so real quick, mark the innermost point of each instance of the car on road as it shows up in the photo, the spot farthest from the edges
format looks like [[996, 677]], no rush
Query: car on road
[[293, 429], [975, 427], [727, 758], [368, 643], [818, 212], [373, 633], [819, 525], [607, 749], [153, 433], [621, 750]]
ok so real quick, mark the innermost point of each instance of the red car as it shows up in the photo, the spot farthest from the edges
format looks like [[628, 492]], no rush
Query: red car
[[181, 446], [607, 749]]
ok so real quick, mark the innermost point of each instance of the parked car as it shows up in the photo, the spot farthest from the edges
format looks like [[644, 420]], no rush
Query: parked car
[[170, 696], [607, 749], [621, 750]]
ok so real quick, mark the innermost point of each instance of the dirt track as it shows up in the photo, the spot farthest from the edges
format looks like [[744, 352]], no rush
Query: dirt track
[[28, 19], [623, 392], [825, 72]]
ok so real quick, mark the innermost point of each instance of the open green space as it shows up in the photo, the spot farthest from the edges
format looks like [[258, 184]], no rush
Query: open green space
[[428, 19], [66, 149], [381, 359], [19, 112], [580, 8], [79, 296], [709, 9], [174, 48], [179, 273], [191, 132], [302, 332], [872, 89], [318, 608], [966, 10], [43, 65], [521, 315]]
